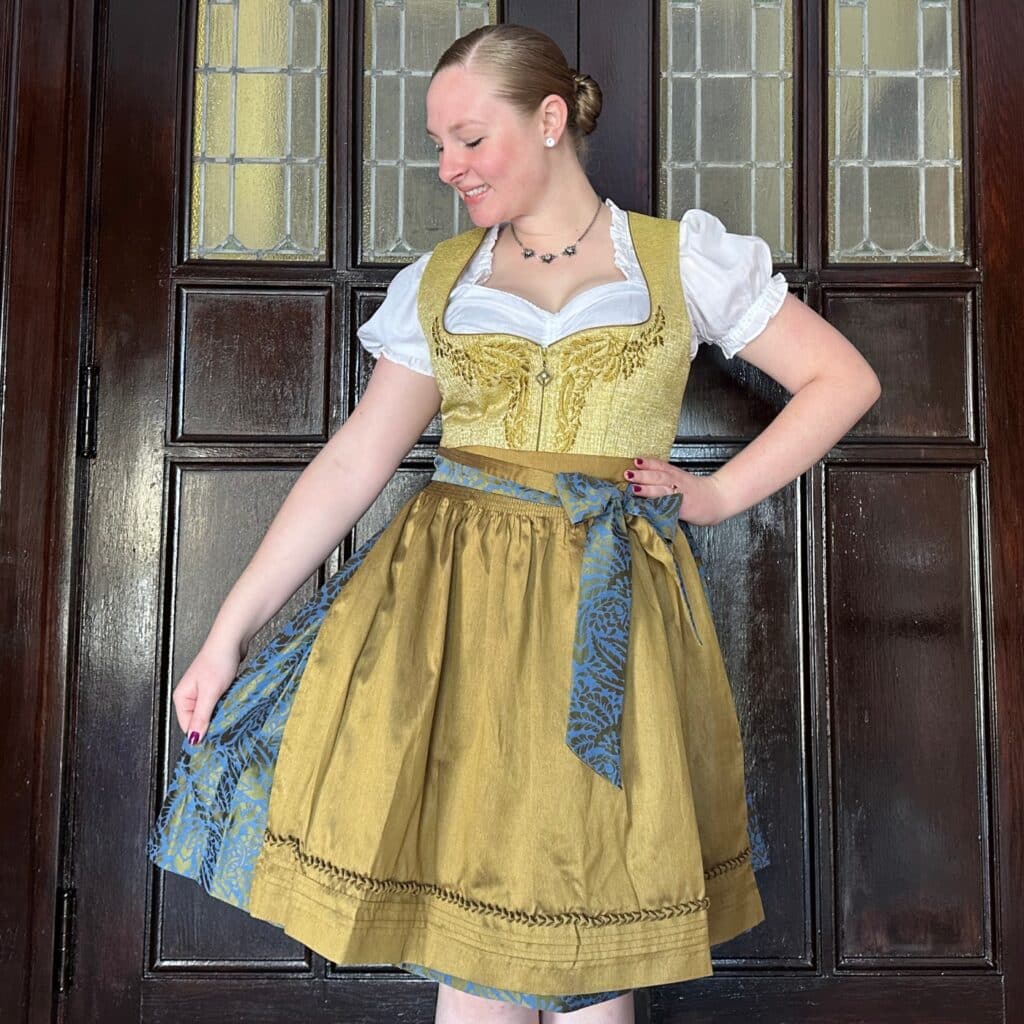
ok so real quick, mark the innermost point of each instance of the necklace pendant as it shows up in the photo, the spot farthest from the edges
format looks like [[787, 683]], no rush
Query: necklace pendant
[[527, 253], [570, 250], [548, 257]]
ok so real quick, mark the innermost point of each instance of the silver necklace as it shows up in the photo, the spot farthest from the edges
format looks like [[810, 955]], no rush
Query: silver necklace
[[548, 257]]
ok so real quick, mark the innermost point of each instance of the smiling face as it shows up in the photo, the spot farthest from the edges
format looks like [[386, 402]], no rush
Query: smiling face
[[484, 141]]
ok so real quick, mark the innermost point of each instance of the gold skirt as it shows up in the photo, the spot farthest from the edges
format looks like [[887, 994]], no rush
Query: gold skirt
[[426, 807]]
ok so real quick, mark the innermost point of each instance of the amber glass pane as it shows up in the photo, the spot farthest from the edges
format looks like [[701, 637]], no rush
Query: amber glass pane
[[726, 128], [895, 154], [406, 209], [259, 138]]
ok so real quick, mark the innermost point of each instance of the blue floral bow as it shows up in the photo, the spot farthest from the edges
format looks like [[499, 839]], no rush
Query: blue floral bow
[[603, 614], [604, 611]]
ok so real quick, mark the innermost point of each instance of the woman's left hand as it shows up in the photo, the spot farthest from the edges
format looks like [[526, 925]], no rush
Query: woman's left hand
[[703, 503]]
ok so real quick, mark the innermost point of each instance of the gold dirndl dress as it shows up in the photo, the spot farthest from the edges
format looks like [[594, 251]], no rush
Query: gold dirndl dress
[[503, 744]]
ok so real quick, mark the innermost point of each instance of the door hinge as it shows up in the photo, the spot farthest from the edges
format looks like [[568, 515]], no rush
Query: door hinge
[[65, 944], [88, 386]]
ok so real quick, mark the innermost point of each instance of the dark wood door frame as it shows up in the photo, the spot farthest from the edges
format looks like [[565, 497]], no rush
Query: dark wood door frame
[[998, 114], [46, 99]]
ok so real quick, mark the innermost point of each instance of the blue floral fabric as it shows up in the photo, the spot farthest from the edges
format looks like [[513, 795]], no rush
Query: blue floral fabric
[[560, 1004], [210, 826]]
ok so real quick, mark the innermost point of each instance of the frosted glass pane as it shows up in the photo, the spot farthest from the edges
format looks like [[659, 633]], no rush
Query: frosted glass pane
[[893, 121], [259, 138], [725, 139], [259, 122], [406, 209], [890, 33], [895, 156], [891, 192], [725, 115], [306, 142], [259, 211]]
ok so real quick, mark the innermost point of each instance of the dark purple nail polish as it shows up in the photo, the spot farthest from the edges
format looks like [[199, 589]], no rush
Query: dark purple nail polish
[[629, 475], [193, 737], [636, 488], [639, 462]]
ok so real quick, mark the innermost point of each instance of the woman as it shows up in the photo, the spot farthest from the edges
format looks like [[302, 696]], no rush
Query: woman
[[502, 742]]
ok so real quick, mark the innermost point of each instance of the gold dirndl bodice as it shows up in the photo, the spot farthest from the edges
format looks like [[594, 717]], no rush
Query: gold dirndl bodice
[[611, 390]]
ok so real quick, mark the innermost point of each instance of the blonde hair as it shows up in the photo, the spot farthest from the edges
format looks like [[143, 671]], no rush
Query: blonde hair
[[526, 65]]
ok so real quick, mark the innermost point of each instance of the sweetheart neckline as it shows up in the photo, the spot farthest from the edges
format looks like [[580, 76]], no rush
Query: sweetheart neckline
[[553, 313]]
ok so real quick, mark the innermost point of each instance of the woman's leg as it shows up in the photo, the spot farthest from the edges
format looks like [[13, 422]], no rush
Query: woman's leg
[[457, 1007], [612, 1011]]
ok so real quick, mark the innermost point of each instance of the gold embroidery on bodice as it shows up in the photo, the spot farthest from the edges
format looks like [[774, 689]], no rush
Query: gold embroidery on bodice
[[605, 390], [495, 364]]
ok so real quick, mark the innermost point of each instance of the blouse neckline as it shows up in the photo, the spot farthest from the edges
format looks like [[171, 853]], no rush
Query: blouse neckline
[[623, 248]]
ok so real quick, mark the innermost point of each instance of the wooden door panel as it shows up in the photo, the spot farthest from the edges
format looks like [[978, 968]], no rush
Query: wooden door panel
[[217, 515], [922, 344], [726, 399], [846, 998], [911, 777], [196, 935], [754, 564], [252, 364]]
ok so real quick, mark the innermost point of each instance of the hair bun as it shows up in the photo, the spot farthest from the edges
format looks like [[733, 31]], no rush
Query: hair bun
[[586, 101]]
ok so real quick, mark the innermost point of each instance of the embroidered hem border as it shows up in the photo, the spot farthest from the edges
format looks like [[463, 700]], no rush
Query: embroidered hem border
[[367, 883]]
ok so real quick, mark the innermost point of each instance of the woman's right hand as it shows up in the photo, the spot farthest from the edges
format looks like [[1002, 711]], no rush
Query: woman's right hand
[[205, 681]]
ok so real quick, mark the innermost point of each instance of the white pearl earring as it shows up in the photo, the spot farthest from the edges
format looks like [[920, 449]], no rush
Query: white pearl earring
[[549, 141]]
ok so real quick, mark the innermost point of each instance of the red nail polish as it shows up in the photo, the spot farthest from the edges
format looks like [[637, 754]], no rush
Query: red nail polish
[[629, 475], [636, 488], [639, 462], [193, 737]]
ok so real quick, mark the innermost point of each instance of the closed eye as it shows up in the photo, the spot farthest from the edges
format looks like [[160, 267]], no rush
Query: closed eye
[[471, 145]]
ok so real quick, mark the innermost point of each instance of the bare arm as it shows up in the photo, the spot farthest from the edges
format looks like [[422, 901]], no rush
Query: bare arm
[[326, 501], [832, 387], [330, 495]]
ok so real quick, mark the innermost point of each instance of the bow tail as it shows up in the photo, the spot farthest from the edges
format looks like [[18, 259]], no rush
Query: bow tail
[[594, 730]]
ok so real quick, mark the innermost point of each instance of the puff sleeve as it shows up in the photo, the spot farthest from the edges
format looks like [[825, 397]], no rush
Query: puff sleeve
[[394, 329], [727, 282]]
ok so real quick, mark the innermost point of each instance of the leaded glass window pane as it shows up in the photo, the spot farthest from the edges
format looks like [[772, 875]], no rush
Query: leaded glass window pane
[[895, 154], [259, 136], [726, 131], [406, 208]]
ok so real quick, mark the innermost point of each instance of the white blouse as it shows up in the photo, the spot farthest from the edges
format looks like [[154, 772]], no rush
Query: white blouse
[[727, 280]]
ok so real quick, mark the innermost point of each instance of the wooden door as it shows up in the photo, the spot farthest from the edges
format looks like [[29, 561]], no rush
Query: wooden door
[[867, 612]]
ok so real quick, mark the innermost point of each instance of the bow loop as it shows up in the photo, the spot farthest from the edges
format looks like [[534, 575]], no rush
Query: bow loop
[[586, 497]]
